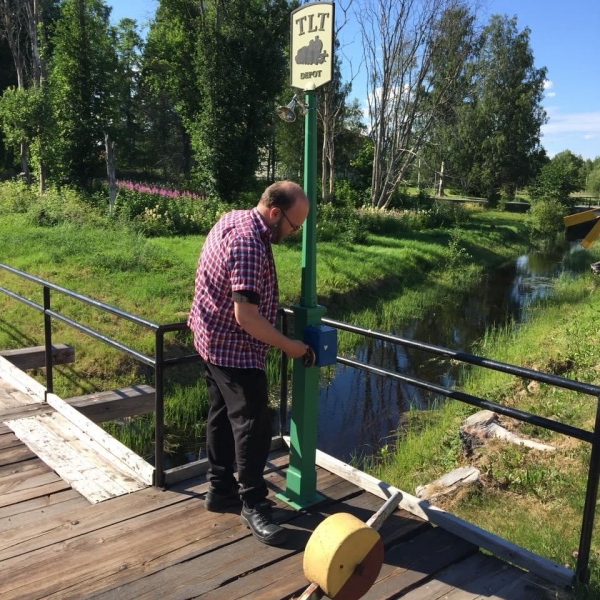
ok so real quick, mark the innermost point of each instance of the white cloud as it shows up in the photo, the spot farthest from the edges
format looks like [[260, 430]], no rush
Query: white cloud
[[590, 136], [550, 94], [587, 123], [548, 84]]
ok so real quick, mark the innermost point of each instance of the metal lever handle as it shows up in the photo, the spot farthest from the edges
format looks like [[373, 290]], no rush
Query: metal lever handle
[[309, 359]]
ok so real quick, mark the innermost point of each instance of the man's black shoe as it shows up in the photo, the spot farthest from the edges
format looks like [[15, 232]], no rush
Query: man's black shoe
[[217, 501], [261, 523]]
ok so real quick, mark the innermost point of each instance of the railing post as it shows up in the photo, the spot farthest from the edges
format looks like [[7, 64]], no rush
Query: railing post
[[48, 341], [159, 411], [283, 385], [582, 572]]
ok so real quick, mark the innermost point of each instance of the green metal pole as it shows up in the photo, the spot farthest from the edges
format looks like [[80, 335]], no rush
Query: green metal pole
[[301, 479]]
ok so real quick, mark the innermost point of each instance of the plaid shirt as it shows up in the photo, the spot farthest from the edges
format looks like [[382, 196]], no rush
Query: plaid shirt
[[236, 256]]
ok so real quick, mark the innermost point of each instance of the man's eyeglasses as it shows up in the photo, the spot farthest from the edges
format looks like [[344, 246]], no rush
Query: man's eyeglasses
[[295, 228]]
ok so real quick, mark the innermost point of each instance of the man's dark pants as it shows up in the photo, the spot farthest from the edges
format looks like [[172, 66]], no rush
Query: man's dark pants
[[238, 429]]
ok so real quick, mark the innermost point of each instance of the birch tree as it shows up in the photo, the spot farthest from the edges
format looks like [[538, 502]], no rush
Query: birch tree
[[401, 39], [332, 105]]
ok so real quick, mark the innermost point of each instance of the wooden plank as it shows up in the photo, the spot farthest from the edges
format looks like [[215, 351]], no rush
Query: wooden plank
[[59, 529], [23, 516], [19, 412], [31, 493], [206, 573], [588, 241], [112, 555], [54, 439], [115, 404], [111, 512], [52, 449], [280, 580], [35, 356], [410, 563], [144, 469], [25, 479], [504, 549], [96, 454], [582, 217], [528, 587], [23, 466], [11, 397], [9, 440], [11, 456], [23, 382], [466, 579], [199, 467]]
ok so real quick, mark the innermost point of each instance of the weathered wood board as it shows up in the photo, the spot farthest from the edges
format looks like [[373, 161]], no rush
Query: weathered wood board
[[76, 457], [35, 357]]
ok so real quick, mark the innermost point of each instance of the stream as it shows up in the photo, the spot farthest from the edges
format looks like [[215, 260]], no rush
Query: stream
[[359, 412]]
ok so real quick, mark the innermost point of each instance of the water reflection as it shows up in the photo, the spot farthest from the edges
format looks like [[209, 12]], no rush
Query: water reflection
[[359, 412]]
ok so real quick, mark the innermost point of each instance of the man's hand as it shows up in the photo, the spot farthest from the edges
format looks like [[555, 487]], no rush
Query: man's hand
[[256, 325], [296, 349]]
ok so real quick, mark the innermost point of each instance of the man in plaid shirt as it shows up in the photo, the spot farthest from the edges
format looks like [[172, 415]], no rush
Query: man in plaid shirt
[[233, 320]]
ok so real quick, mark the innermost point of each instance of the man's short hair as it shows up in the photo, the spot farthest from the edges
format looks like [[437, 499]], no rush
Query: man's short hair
[[281, 194]]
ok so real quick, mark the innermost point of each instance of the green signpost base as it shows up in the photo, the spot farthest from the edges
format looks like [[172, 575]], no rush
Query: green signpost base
[[301, 478]]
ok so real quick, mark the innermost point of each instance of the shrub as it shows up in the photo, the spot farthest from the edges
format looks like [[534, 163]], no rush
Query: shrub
[[157, 212], [382, 221], [545, 223], [340, 223], [65, 205], [440, 214], [16, 197], [347, 195]]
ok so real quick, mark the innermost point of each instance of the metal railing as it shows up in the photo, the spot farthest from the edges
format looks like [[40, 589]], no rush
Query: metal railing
[[158, 362], [582, 573]]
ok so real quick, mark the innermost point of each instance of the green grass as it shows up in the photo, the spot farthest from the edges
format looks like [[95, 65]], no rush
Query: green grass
[[397, 274]]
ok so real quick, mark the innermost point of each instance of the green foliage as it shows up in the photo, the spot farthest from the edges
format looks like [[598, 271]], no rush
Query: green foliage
[[347, 195], [439, 214], [16, 197], [340, 223], [457, 253], [161, 215], [19, 110], [127, 131], [244, 41], [493, 141], [58, 205], [558, 179], [545, 223], [82, 83], [65, 205], [593, 180]]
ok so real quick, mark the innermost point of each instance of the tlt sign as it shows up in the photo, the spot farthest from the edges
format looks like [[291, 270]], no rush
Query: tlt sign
[[311, 46]]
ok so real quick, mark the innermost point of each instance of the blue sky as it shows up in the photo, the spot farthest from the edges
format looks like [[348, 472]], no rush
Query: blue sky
[[565, 38]]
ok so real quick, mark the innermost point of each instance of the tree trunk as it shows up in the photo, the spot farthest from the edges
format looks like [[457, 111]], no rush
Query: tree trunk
[[110, 169], [441, 187], [325, 123], [42, 176], [25, 172]]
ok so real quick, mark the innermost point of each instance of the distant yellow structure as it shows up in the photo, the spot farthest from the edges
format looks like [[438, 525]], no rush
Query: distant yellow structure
[[589, 215]]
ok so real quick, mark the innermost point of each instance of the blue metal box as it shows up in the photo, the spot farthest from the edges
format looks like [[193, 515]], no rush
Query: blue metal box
[[323, 340]]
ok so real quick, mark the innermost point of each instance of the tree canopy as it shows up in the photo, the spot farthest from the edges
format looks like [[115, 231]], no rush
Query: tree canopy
[[193, 103]]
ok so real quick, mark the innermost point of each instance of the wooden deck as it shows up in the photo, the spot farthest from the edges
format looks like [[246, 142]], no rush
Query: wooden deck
[[165, 545]]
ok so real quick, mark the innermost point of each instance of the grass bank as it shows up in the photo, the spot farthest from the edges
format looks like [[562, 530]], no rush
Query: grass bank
[[532, 498], [404, 266]]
